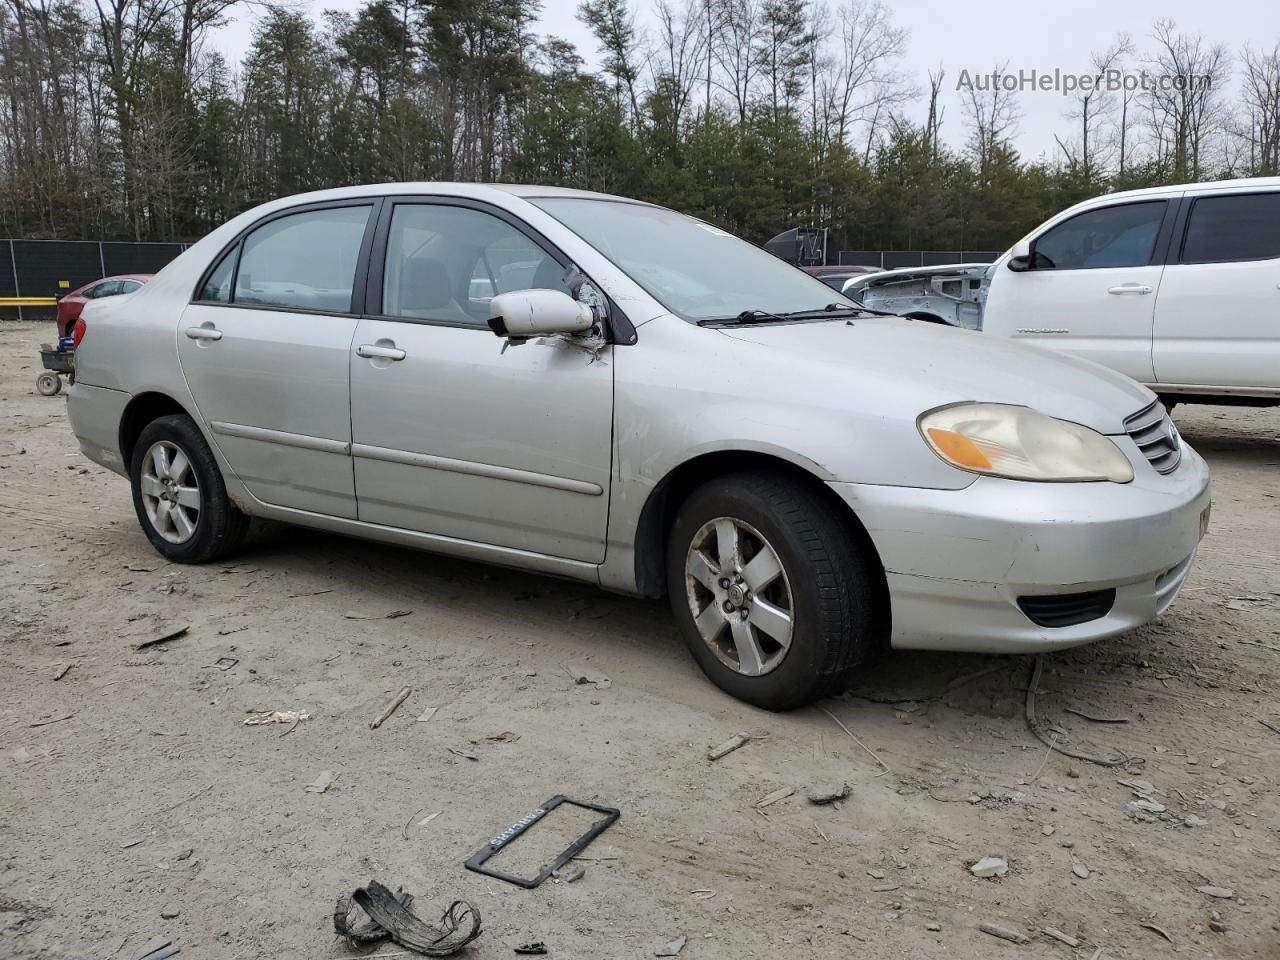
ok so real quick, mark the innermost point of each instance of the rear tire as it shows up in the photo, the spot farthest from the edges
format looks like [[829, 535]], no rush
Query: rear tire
[[825, 590], [179, 495]]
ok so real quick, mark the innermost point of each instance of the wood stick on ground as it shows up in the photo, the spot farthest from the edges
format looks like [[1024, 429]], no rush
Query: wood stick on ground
[[1033, 724], [390, 708], [871, 753], [730, 745]]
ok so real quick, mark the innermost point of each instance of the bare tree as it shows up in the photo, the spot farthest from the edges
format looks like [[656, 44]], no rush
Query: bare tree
[[1094, 109], [993, 116], [680, 53], [1260, 105], [1183, 98]]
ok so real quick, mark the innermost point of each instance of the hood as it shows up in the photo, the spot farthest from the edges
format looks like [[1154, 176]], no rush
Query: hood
[[916, 273], [915, 366]]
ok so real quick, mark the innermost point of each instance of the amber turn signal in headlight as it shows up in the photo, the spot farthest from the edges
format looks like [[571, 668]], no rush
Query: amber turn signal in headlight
[[1018, 443]]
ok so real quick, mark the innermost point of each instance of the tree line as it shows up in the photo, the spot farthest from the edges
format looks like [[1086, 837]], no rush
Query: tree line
[[119, 119]]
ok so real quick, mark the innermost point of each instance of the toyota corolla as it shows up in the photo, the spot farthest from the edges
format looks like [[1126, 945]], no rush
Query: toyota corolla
[[596, 388]]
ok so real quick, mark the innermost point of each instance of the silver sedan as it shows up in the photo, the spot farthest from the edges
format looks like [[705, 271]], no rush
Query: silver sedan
[[597, 388]]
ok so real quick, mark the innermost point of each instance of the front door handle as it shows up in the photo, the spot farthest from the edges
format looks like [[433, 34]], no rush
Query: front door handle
[[204, 333], [1139, 288], [374, 350]]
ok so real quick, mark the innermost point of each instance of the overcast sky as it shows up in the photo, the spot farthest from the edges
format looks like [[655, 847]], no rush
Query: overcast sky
[[968, 36]]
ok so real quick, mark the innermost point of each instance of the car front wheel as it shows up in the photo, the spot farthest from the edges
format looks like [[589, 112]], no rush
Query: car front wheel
[[776, 599], [179, 494]]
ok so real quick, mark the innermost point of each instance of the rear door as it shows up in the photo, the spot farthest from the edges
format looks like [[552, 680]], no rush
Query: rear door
[[1218, 313], [1092, 287], [265, 346], [454, 435]]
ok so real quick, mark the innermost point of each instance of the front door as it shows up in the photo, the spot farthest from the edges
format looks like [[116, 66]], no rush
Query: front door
[[265, 348], [1091, 290], [1218, 315], [454, 436]]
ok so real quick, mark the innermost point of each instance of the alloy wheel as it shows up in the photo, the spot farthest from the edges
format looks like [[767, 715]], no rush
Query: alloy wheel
[[170, 492], [739, 596]]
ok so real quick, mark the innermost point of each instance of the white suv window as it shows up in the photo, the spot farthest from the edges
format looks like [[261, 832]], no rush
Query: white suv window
[[1118, 236], [1241, 227], [305, 260]]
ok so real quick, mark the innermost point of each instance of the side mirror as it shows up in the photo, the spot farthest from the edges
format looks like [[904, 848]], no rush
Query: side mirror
[[1020, 256], [522, 314]]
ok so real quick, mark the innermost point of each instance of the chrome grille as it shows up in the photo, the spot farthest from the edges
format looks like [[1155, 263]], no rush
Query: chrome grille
[[1156, 436]]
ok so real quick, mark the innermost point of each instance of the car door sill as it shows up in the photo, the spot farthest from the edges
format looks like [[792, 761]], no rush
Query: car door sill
[[432, 543], [472, 468], [1211, 390], [302, 440]]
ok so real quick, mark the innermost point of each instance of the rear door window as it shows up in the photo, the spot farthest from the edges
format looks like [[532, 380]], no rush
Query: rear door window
[[1119, 236], [304, 261], [1241, 227]]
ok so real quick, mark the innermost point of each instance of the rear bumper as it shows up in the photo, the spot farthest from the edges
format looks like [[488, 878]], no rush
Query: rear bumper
[[957, 561], [95, 414]]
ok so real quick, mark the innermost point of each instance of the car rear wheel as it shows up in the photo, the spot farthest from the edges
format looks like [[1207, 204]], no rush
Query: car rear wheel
[[773, 594], [179, 494]]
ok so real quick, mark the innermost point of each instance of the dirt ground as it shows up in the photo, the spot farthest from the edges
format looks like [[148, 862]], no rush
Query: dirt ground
[[135, 803]]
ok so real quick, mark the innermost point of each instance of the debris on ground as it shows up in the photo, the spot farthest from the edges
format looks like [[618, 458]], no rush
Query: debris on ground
[[1160, 930], [582, 676], [427, 714], [276, 716], [535, 949], [62, 671], [464, 753], [730, 745], [170, 913], [1096, 719], [390, 915], [570, 873], [225, 663], [780, 794], [358, 615], [1004, 933], [990, 867], [871, 753], [1080, 870], [390, 707], [321, 783], [157, 949], [58, 719], [671, 949], [1222, 893], [829, 793], [173, 634], [477, 862], [1066, 938], [506, 736]]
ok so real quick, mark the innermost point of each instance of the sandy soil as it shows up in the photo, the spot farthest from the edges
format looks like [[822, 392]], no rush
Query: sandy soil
[[152, 797]]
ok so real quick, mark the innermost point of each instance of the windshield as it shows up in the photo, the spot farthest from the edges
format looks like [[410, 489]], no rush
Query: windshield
[[695, 270]]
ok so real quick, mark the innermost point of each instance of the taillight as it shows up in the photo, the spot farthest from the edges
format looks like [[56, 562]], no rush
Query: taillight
[[77, 331]]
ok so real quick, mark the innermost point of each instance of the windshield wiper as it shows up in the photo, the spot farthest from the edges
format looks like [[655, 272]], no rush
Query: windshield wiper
[[835, 310], [746, 316]]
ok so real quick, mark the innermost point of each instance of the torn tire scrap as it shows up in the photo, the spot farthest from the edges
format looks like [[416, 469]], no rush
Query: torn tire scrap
[[390, 916]]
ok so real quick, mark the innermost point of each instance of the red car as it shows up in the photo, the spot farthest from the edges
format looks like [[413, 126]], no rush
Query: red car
[[70, 305]]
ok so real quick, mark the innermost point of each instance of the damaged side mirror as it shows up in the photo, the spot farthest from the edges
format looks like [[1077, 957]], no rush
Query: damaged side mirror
[[524, 314]]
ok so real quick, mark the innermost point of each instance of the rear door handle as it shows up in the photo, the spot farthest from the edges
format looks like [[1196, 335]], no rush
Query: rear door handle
[[204, 333], [373, 350], [1130, 288]]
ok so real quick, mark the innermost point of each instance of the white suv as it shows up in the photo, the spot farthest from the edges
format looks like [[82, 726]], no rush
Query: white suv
[[1178, 287]]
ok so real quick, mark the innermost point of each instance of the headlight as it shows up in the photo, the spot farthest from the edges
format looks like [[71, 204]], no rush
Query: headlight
[[1017, 442]]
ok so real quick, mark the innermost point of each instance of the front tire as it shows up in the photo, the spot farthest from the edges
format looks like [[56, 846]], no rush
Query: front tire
[[776, 599], [179, 495]]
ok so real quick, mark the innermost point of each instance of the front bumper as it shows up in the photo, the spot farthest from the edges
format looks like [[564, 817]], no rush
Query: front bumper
[[957, 561]]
